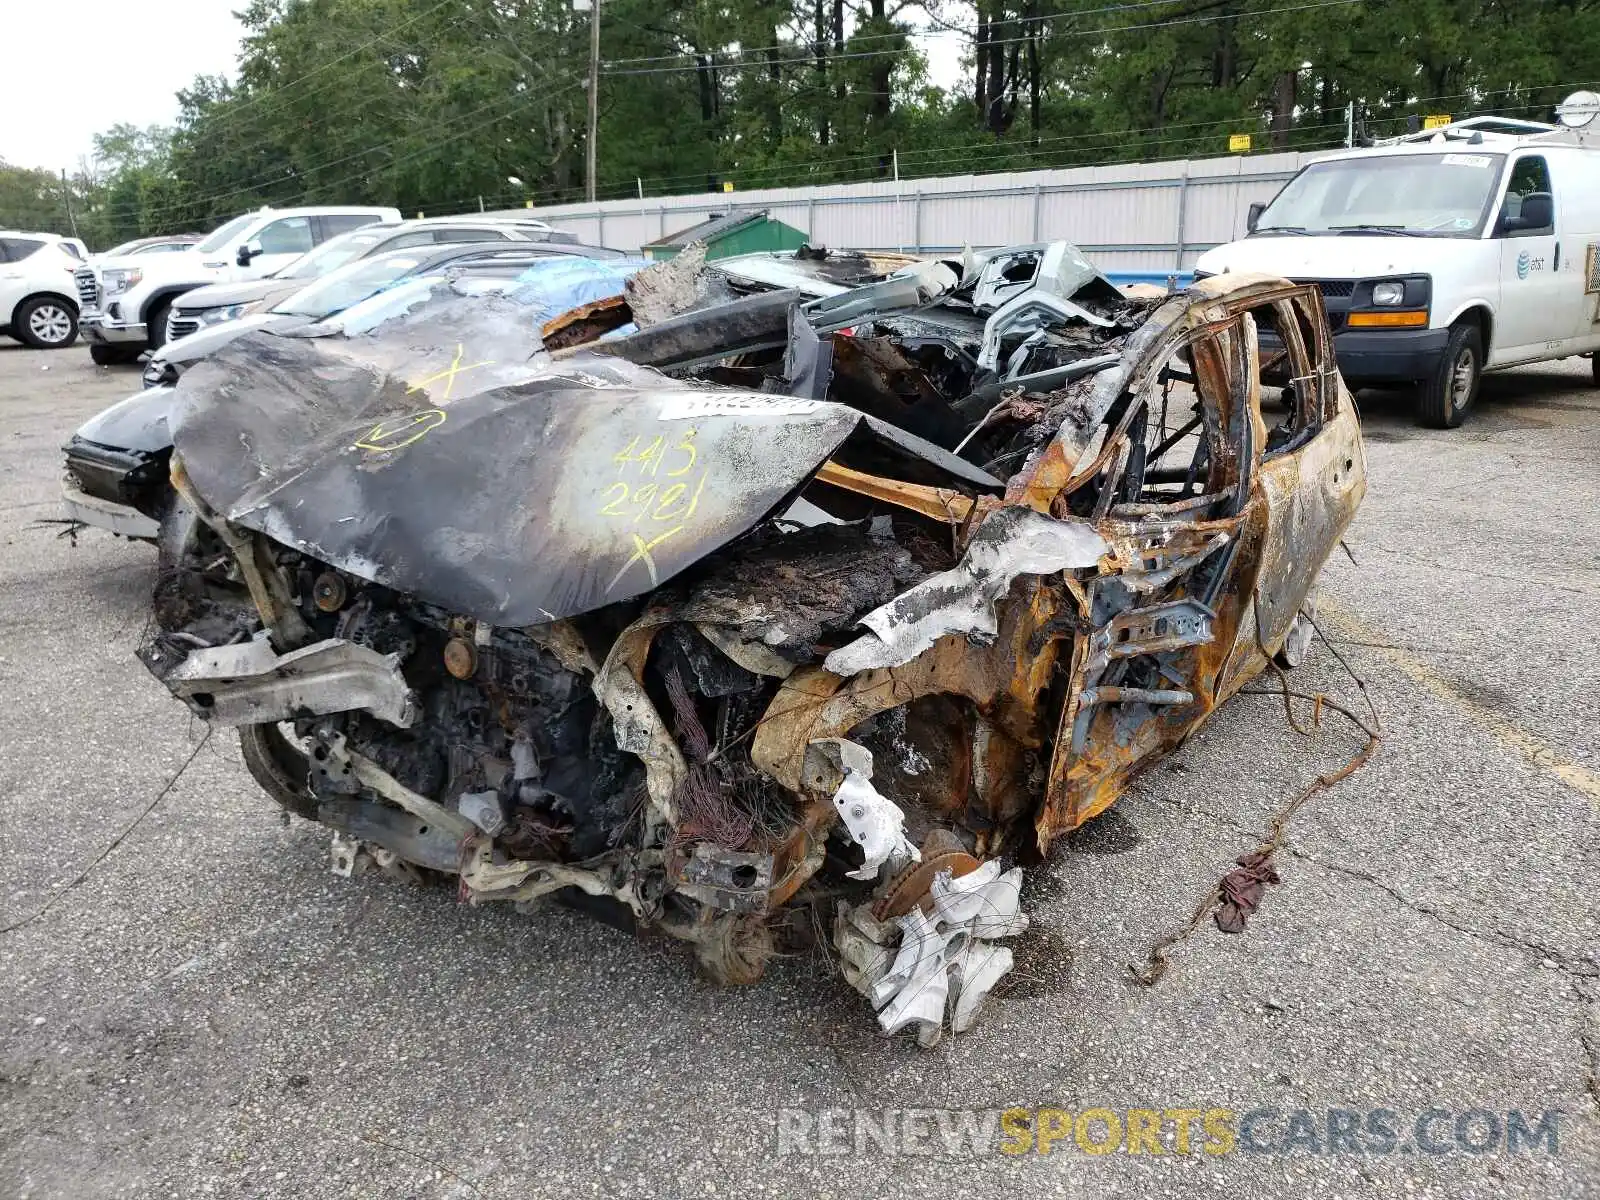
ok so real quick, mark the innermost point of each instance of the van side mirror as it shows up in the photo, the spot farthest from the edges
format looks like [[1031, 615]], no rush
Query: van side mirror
[[248, 251], [1252, 218], [1538, 211]]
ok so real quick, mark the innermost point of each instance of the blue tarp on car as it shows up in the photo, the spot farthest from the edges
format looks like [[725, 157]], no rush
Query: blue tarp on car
[[563, 282]]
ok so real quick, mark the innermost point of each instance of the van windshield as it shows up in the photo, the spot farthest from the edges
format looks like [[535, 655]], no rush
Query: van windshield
[[1422, 195]]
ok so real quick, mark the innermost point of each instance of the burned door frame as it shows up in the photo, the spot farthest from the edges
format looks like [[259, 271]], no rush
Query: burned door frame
[[1309, 487], [1210, 642], [1300, 495], [1141, 608]]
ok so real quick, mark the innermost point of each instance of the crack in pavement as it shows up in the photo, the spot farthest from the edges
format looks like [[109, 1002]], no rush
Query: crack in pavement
[[1582, 973], [1589, 1035], [1557, 959], [1561, 961], [1438, 565]]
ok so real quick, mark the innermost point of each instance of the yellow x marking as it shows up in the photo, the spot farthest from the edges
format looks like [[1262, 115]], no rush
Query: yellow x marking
[[449, 373], [641, 553]]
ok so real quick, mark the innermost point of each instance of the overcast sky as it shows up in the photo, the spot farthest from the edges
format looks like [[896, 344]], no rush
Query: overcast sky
[[72, 68]]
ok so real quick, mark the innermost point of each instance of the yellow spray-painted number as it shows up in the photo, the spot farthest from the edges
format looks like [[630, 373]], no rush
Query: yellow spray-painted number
[[654, 487], [398, 432], [655, 452], [669, 502]]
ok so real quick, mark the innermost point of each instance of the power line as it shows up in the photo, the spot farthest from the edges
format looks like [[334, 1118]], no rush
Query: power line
[[937, 31], [301, 173], [917, 159], [224, 116], [809, 59], [920, 160], [249, 101], [418, 153], [222, 119], [989, 145], [934, 157]]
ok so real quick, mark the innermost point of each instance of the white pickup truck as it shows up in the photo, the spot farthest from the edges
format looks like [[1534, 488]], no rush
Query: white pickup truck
[[123, 302]]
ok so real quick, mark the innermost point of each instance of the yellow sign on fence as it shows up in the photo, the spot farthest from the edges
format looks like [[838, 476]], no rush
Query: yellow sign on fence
[[1238, 142], [1436, 121], [727, 185]]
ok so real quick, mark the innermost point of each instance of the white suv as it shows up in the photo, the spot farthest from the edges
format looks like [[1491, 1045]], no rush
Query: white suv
[[38, 304], [125, 300]]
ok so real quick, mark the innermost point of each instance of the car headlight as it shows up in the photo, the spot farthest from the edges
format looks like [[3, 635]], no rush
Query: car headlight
[[1389, 293], [120, 279], [218, 316]]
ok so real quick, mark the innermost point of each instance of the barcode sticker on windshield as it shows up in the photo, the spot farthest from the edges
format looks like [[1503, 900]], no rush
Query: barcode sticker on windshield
[[1467, 160]]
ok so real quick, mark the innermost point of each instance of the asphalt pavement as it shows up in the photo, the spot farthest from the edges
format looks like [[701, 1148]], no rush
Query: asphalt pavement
[[212, 1013]]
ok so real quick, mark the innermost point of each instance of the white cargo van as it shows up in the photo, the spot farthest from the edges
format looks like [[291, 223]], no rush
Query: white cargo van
[[1445, 254]]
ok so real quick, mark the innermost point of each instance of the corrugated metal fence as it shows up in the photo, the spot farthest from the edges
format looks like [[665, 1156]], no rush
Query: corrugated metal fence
[[1147, 218]]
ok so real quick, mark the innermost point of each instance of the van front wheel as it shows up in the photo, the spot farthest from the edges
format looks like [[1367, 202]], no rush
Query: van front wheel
[[1448, 395]]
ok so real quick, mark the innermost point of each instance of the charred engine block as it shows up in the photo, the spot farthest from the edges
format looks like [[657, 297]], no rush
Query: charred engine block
[[507, 734]]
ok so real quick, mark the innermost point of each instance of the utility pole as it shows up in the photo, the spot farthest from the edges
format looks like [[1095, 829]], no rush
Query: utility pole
[[594, 95]]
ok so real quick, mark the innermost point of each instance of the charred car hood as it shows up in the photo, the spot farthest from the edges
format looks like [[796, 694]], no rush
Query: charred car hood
[[207, 341], [215, 295], [139, 423], [500, 485]]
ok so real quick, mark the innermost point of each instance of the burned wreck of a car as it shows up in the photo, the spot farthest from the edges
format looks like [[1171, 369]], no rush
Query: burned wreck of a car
[[836, 588]]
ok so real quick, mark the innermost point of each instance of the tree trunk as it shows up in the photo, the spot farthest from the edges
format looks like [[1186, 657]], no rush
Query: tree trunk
[[819, 14], [1283, 99], [838, 49], [775, 85], [997, 71], [882, 67], [980, 72], [1159, 87], [1225, 59], [1015, 70], [560, 160], [1033, 73], [706, 76]]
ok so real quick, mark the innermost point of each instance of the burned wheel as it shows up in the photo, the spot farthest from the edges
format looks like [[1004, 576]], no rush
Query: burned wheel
[[275, 760]]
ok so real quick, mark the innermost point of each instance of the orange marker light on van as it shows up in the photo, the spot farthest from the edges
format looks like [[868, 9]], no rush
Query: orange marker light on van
[[1413, 319]]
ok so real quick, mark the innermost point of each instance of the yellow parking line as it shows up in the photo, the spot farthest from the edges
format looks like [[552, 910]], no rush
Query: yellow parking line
[[1499, 726]]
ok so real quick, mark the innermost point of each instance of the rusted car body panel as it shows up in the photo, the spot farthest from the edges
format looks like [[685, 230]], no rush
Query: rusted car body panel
[[905, 616]]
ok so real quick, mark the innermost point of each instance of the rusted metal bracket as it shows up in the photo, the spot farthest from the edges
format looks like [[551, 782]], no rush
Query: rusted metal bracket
[[942, 504]]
